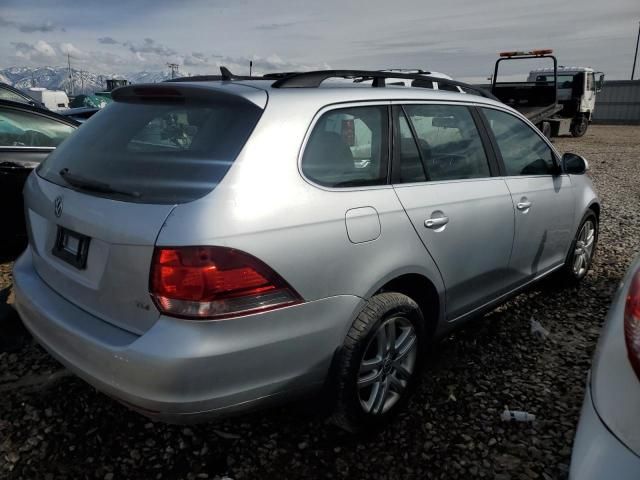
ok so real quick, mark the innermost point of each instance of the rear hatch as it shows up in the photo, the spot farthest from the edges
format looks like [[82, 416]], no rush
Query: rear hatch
[[97, 204]]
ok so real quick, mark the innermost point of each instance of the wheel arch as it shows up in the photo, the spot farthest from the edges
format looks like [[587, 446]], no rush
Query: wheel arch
[[422, 291]]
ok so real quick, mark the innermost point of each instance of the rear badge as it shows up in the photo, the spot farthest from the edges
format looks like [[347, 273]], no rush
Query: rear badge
[[57, 206]]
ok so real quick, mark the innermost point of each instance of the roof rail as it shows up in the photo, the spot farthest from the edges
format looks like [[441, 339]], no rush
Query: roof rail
[[314, 79], [225, 75]]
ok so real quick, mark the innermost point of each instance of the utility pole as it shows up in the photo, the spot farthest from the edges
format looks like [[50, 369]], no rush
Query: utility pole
[[250, 67], [174, 69], [635, 55], [70, 77]]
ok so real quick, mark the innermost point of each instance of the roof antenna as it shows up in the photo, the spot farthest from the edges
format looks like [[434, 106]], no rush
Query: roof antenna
[[226, 74]]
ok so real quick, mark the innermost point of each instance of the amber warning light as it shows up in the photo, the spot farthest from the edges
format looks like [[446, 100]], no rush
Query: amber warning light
[[537, 53]]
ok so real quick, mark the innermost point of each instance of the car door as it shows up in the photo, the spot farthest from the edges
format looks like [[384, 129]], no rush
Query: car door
[[442, 175], [542, 196], [27, 136]]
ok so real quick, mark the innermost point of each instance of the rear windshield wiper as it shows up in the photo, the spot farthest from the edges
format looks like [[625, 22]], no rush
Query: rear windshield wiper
[[93, 185]]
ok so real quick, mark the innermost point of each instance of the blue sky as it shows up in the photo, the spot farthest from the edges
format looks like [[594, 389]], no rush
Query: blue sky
[[460, 38]]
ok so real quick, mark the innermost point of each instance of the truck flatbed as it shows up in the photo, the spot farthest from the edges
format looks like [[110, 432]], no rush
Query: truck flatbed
[[536, 114]]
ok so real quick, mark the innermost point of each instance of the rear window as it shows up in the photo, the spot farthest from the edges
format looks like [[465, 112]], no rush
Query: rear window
[[164, 152]]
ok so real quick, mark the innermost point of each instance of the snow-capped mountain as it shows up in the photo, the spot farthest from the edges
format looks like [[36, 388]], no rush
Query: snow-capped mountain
[[82, 81]]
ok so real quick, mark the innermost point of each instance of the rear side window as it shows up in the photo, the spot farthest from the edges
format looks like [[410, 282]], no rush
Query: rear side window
[[25, 129], [448, 141], [348, 147], [166, 152], [13, 96], [523, 151]]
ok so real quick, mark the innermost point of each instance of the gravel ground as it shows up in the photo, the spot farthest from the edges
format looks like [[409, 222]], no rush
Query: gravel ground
[[62, 428]]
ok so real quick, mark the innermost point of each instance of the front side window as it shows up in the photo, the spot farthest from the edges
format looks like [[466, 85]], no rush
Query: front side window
[[523, 151], [348, 147], [448, 142], [25, 129]]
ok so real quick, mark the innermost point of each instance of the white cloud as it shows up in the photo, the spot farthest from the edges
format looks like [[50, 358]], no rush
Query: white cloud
[[40, 51], [69, 48]]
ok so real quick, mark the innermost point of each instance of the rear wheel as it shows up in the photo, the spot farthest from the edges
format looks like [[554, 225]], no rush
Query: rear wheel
[[545, 128], [380, 362], [580, 256], [579, 126]]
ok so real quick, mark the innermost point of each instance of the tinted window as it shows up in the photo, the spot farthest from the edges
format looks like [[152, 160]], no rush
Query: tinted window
[[411, 168], [564, 81], [449, 142], [348, 147], [522, 149], [25, 129], [169, 153], [13, 96]]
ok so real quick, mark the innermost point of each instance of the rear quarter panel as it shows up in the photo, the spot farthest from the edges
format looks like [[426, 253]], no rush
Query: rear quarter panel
[[265, 207]]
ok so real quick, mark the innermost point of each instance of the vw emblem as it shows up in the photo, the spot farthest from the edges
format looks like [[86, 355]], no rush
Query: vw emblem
[[57, 206]]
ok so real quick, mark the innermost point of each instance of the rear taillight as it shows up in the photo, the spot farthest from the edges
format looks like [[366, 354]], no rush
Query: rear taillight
[[632, 323], [215, 282]]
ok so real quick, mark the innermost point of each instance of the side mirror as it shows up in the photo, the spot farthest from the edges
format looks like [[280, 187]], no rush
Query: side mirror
[[574, 164], [600, 83]]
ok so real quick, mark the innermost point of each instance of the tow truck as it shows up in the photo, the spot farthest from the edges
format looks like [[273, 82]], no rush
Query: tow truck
[[558, 100]]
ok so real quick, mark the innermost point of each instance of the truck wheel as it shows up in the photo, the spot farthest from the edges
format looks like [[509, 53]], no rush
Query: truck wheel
[[579, 126], [379, 365], [545, 128]]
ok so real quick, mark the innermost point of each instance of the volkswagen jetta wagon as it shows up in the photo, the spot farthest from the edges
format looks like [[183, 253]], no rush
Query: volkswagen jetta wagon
[[207, 246]]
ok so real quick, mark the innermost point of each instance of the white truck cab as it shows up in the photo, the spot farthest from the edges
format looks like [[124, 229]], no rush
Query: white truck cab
[[52, 99], [577, 89]]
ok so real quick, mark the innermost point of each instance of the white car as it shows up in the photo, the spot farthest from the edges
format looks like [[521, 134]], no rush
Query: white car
[[607, 443]]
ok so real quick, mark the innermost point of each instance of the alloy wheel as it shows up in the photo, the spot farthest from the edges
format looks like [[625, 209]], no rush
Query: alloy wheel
[[387, 365], [583, 252]]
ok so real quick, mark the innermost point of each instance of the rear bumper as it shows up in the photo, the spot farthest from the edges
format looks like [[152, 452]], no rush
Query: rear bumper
[[188, 371], [597, 453]]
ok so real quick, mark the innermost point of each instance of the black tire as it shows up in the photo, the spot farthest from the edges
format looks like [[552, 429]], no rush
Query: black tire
[[579, 126], [568, 275], [382, 312], [545, 128]]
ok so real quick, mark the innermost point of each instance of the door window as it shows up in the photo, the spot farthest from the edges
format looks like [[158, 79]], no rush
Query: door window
[[523, 151], [411, 167], [348, 147], [448, 142], [25, 129], [13, 96]]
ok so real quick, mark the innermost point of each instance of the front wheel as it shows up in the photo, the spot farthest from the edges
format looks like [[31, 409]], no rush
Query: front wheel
[[379, 364], [579, 126]]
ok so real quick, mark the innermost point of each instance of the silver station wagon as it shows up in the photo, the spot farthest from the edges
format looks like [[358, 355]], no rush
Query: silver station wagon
[[209, 245]]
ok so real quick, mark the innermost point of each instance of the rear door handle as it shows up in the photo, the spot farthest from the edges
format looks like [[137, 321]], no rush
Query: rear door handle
[[524, 205], [436, 222]]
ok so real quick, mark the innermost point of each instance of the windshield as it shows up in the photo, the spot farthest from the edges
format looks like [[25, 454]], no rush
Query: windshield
[[564, 81], [166, 152]]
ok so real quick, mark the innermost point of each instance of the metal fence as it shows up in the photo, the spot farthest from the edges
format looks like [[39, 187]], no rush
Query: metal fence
[[618, 103]]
